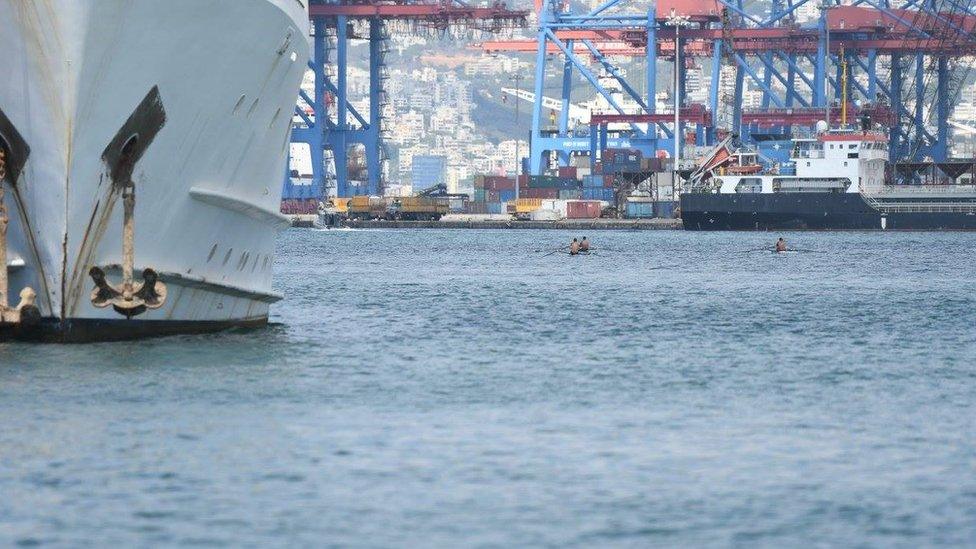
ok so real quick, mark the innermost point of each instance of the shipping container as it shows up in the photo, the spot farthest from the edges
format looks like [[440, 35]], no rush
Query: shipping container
[[479, 195], [583, 209], [526, 205], [506, 196], [545, 215], [598, 193], [499, 183], [567, 172], [556, 206], [367, 207], [570, 194], [548, 182], [294, 206], [664, 209], [477, 208], [539, 193], [495, 207], [643, 209], [597, 181]]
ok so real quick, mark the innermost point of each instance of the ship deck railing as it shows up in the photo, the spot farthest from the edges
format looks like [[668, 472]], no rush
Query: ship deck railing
[[921, 207]]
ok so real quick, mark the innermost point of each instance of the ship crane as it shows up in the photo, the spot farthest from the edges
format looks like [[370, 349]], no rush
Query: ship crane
[[576, 112]]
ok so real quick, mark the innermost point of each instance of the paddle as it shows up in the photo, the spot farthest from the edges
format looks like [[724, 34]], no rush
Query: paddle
[[556, 251]]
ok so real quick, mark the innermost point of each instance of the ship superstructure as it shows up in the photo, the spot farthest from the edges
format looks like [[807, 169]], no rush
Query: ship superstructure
[[835, 180]]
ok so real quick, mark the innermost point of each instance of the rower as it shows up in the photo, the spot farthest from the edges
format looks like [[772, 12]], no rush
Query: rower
[[781, 245], [584, 245], [574, 247]]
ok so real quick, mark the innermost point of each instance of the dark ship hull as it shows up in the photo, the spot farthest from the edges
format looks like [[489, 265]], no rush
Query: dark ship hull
[[818, 211]]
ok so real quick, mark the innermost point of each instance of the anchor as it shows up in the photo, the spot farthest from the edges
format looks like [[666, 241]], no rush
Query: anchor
[[26, 312], [130, 298]]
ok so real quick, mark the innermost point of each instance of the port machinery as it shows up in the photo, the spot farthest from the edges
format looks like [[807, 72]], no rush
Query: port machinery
[[906, 60], [329, 124]]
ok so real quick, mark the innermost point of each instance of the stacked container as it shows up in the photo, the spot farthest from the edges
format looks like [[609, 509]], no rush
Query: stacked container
[[583, 209], [622, 161], [492, 189], [598, 187]]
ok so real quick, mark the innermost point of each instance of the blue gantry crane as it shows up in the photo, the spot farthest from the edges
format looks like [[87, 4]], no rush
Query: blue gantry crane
[[330, 125], [903, 64]]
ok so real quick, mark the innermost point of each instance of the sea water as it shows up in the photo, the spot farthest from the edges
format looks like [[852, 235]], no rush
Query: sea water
[[468, 388]]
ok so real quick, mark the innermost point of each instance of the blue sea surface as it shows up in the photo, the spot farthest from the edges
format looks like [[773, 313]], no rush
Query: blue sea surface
[[463, 388]]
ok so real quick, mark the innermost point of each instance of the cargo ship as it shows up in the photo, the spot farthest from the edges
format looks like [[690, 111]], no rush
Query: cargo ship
[[142, 149], [836, 180]]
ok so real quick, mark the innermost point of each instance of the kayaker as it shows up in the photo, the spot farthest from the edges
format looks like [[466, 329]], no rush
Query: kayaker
[[574, 247], [584, 245], [781, 245]]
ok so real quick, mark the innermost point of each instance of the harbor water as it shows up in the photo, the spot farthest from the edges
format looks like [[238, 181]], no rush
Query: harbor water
[[449, 388]]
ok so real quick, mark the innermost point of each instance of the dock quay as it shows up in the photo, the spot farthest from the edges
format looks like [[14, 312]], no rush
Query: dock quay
[[567, 224]]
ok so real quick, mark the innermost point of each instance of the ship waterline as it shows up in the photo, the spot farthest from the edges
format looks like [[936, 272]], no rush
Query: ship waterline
[[176, 112]]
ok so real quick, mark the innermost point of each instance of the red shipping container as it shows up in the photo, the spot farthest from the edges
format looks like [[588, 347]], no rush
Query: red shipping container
[[496, 183], [583, 209], [567, 171], [542, 192]]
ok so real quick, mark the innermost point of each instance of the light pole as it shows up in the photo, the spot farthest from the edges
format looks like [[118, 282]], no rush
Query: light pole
[[827, 59], [677, 21], [517, 77]]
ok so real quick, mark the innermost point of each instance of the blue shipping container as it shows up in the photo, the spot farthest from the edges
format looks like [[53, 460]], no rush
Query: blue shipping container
[[598, 193], [506, 196], [664, 209], [593, 181], [495, 207], [639, 210]]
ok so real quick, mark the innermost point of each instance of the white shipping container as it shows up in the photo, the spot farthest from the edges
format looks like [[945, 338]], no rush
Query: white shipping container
[[559, 206], [546, 215]]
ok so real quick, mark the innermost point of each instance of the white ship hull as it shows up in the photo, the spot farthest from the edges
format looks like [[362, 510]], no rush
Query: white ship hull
[[209, 87]]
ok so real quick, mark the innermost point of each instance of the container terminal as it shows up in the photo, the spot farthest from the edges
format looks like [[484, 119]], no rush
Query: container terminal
[[674, 82]]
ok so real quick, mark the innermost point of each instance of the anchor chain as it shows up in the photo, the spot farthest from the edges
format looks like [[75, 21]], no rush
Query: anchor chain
[[25, 312], [130, 298]]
